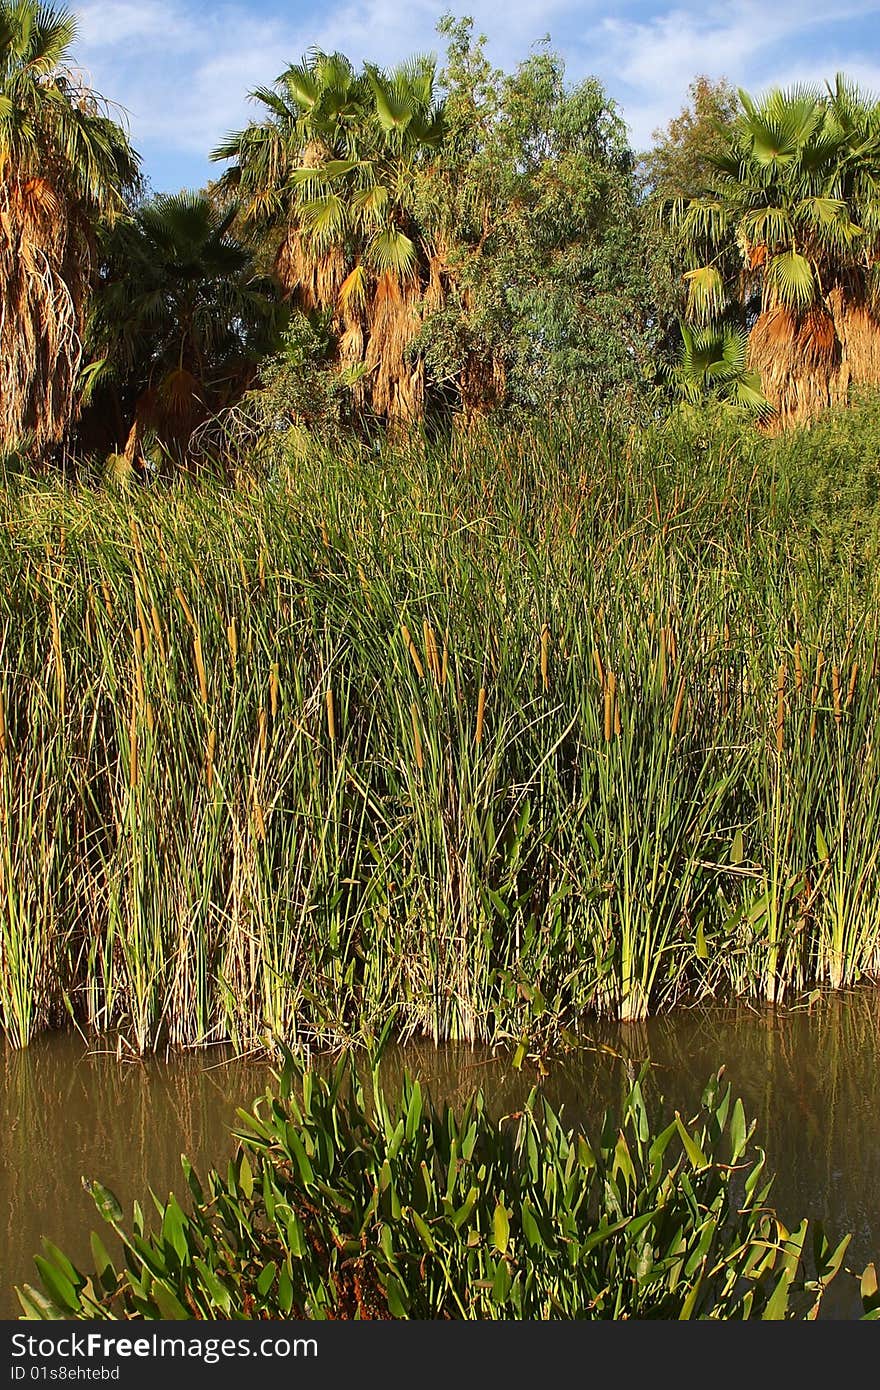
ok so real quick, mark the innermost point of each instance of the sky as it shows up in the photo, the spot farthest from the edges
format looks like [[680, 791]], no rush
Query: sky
[[181, 69]]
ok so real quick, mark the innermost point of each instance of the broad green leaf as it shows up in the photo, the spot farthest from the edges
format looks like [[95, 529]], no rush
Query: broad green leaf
[[691, 1147], [501, 1228]]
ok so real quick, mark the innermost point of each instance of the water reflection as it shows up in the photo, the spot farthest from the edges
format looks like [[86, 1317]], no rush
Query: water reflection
[[811, 1078]]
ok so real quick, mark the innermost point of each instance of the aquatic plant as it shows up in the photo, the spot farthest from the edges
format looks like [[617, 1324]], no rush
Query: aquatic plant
[[346, 1202], [485, 734]]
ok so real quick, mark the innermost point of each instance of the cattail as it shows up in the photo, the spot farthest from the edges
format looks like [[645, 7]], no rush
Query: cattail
[[133, 744], [273, 689], [411, 648], [138, 667], [417, 737], [232, 638], [853, 677], [545, 656], [108, 602], [820, 662], [599, 669], [798, 668], [444, 671], [157, 628], [209, 758], [610, 687], [331, 715], [481, 710], [677, 707], [181, 599], [261, 570], [432, 655], [200, 668], [780, 707], [835, 690], [142, 620]]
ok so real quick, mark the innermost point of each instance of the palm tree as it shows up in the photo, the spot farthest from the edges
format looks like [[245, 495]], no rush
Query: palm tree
[[65, 165], [714, 363], [179, 321], [797, 193], [328, 175]]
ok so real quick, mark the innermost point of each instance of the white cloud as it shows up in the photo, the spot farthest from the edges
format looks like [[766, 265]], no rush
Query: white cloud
[[182, 70]]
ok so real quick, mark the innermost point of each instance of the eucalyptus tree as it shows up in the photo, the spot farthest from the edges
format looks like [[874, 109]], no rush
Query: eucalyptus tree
[[66, 166], [796, 193], [328, 176]]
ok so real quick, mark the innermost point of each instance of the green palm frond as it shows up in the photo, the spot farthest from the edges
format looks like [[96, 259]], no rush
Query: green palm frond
[[713, 363], [301, 85], [830, 217], [325, 218], [392, 252], [705, 218], [705, 293], [791, 276], [768, 225]]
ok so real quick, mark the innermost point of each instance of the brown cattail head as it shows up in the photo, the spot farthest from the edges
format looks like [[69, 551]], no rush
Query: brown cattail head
[[187, 611], [611, 719], [481, 711], [432, 652], [411, 648], [600, 671], [273, 689]]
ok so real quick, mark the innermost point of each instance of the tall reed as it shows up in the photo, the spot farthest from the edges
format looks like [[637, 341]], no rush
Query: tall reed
[[486, 734]]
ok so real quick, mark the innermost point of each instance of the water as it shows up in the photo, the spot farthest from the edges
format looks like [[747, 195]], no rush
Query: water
[[811, 1079]]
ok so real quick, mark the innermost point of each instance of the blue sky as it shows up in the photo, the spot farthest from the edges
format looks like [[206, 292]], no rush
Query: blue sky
[[182, 68]]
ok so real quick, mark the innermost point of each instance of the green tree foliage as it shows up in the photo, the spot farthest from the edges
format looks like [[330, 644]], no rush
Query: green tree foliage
[[533, 200], [678, 165], [179, 320], [66, 166], [679, 162]]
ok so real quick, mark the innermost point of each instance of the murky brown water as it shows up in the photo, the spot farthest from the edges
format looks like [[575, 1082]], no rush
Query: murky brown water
[[810, 1078]]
